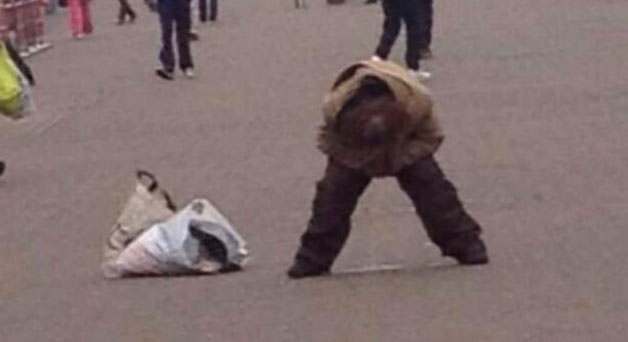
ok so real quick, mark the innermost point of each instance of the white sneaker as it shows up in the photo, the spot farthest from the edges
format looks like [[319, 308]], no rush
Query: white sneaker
[[420, 75], [189, 72], [376, 58]]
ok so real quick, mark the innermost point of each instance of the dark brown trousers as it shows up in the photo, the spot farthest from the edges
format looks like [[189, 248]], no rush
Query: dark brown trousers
[[434, 197]]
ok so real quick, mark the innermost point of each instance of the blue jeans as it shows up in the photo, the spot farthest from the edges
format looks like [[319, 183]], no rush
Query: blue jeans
[[171, 13]]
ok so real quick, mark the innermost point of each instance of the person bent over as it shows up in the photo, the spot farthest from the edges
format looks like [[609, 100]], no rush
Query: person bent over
[[379, 123]]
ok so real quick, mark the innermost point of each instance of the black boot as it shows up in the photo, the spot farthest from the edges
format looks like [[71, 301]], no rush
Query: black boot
[[2, 167], [303, 269], [468, 251]]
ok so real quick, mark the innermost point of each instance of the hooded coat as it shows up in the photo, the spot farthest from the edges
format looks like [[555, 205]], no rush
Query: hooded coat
[[418, 138]]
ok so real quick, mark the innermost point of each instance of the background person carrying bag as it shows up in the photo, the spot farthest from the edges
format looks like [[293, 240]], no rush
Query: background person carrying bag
[[16, 100]]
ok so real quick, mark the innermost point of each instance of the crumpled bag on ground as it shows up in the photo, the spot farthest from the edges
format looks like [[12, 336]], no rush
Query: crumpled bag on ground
[[196, 240]]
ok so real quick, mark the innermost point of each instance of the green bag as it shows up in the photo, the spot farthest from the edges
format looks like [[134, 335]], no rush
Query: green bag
[[10, 88]]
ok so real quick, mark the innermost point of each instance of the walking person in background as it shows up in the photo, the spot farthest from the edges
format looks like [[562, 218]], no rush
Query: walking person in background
[[171, 13], [202, 10], [126, 11], [79, 18], [23, 68], [411, 13]]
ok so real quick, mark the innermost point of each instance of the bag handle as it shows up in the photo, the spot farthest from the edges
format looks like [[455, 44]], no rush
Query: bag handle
[[153, 185]]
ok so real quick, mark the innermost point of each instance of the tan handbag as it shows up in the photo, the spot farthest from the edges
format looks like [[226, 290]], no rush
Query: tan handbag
[[149, 204]]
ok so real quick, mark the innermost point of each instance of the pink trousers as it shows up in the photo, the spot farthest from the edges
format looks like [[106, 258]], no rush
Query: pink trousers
[[79, 17]]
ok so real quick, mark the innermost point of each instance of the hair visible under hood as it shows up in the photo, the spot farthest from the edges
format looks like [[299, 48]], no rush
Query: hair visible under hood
[[371, 117]]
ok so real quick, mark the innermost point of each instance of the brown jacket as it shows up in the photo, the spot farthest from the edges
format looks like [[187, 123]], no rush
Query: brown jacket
[[420, 138]]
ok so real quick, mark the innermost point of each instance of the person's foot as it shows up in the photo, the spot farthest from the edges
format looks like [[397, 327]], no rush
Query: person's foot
[[165, 74], [2, 167], [119, 22], [193, 36], [420, 75], [78, 36], [302, 269], [376, 58], [132, 17], [426, 53], [470, 252], [188, 72]]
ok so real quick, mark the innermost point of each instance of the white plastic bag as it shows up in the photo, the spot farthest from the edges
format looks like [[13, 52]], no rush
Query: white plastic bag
[[27, 104], [196, 240]]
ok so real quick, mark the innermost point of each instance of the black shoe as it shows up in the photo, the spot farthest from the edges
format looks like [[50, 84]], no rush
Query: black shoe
[[302, 269], [472, 252], [165, 74], [193, 36], [2, 167]]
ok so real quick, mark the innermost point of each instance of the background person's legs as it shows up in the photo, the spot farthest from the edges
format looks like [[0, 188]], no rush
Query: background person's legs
[[213, 9], [428, 21], [166, 20], [184, 24], [75, 17], [391, 28], [125, 10], [202, 10]]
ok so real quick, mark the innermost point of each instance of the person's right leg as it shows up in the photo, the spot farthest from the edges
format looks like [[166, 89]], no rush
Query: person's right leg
[[428, 22], [213, 10], [391, 27], [436, 202], [336, 197], [166, 54]]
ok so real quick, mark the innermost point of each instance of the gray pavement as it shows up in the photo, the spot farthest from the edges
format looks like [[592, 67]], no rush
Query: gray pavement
[[533, 95]]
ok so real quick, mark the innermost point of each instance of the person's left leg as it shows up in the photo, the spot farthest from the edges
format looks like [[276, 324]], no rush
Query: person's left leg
[[184, 24], [202, 10], [436, 202], [213, 9], [411, 18], [87, 17], [125, 10]]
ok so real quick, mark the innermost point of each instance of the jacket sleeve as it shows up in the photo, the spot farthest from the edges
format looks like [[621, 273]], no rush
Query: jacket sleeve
[[19, 62]]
